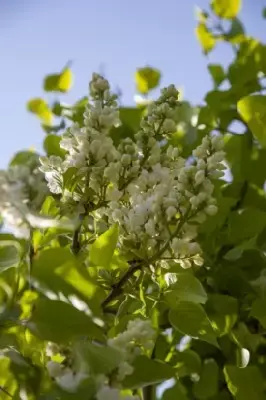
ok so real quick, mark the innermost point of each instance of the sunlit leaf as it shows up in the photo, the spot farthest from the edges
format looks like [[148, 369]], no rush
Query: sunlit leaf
[[226, 8], [191, 319], [146, 79], [40, 108], [61, 82], [102, 250], [186, 288], [205, 38], [253, 110], [60, 322]]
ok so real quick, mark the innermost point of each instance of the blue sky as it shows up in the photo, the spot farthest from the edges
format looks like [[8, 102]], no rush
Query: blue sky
[[39, 37]]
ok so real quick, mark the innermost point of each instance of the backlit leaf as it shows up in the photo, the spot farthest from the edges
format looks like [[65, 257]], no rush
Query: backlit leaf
[[226, 8]]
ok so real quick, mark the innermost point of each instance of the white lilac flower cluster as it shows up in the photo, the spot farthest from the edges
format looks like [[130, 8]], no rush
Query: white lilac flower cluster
[[169, 193], [142, 184], [138, 338], [89, 149], [21, 188]]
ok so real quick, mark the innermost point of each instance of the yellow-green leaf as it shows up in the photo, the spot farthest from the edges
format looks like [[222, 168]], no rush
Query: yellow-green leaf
[[226, 8], [59, 82], [102, 250], [40, 108], [205, 38], [253, 111], [65, 80], [146, 79]]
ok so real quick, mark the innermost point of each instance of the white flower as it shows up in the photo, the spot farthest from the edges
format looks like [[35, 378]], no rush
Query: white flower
[[113, 193], [125, 160], [150, 228], [51, 349], [211, 209], [124, 369], [170, 212], [54, 369], [139, 332], [108, 393], [169, 125], [69, 380], [217, 143], [199, 177]]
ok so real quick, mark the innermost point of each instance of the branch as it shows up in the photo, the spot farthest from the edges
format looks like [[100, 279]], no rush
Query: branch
[[117, 288], [76, 246], [5, 391], [148, 392]]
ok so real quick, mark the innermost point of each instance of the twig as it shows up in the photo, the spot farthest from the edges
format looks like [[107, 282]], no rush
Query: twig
[[76, 246], [118, 286], [5, 391]]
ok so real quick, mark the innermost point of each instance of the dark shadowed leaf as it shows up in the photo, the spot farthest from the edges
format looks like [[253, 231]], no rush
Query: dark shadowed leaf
[[148, 372]]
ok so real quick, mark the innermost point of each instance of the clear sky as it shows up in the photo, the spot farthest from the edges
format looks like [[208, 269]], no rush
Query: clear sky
[[39, 37]]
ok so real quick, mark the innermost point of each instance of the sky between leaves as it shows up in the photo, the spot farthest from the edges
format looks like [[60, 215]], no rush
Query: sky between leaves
[[114, 37]]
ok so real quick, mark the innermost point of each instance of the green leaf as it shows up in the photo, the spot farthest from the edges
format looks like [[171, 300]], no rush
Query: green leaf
[[29, 158], [244, 383], [60, 322], [205, 38], [146, 79], [130, 122], [217, 73], [244, 339], [237, 148], [264, 12], [191, 319], [102, 250], [40, 108], [147, 372], [207, 386], [52, 147], [253, 111], [178, 391], [226, 8], [186, 288], [237, 33], [237, 252], [7, 380], [258, 311], [186, 362], [59, 271], [49, 207], [252, 219], [59, 82], [9, 255], [222, 311], [100, 359]]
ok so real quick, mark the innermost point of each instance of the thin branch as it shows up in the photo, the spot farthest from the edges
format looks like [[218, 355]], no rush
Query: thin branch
[[117, 288], [5, 391], [76, 245], [174, 234]]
